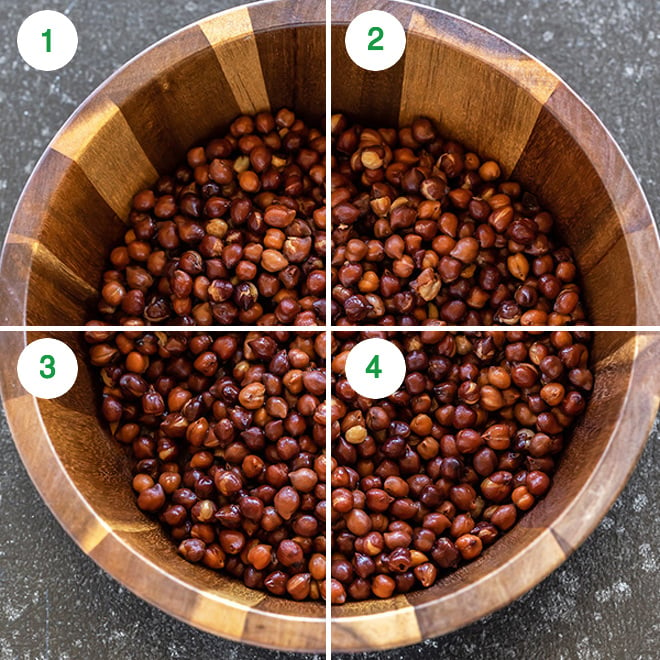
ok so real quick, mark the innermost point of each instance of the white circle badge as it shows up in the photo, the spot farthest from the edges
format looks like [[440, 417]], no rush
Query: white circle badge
[[47, 40], [47, 368], [375, 40], [375, 368]]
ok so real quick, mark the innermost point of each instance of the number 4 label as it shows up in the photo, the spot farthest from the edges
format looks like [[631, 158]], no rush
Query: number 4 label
[[375, 368]]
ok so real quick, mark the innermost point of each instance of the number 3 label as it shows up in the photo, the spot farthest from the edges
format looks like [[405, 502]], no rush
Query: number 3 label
[[375, 368], [375, 40], [47, 368]]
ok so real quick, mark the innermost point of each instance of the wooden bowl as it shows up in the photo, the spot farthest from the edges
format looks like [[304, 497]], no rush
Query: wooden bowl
[[484, 92], [139, 123], [504, 104]]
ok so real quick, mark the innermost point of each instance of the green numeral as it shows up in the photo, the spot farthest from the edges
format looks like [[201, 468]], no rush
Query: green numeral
[[372, 44], [373, 367], [49, 366], [46, 34]]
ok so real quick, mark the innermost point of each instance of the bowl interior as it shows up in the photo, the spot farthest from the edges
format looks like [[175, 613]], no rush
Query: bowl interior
[[136, 126], [135, 549], [140, 124], [100, 471], [501, 103]]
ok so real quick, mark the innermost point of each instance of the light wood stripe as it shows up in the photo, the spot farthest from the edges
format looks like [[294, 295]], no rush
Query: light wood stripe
[[528, 73], [101, 142], [392, 622], [239, 58], [204, 611]]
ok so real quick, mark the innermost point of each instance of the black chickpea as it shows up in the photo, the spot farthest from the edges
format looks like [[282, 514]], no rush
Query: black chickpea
[[423, 230], [222, 454], [235, 235], [427, 479]]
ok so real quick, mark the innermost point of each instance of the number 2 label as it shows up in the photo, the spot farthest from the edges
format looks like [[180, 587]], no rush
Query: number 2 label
[[375, 40], [379, 35]]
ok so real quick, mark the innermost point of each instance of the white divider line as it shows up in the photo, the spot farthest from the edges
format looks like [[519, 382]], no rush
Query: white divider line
[[496, 328], [162, 328], [331, 328], [328, 335]]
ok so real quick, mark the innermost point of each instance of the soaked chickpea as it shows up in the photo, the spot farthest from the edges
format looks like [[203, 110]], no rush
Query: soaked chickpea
[[223, 455], [427, 479]]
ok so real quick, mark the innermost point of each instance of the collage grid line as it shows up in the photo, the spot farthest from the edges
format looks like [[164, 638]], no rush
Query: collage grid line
[[329, 328]]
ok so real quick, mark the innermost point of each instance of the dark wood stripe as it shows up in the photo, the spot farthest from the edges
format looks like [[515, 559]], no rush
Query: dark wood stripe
[[570, 187], [169, 108], [290, 38], [371, 97], [293, 58]]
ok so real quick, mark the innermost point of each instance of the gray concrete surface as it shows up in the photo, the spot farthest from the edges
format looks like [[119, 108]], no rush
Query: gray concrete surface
[[602, 603]]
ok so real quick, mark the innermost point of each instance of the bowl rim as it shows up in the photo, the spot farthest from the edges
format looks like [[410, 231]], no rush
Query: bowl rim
[[638, 239]]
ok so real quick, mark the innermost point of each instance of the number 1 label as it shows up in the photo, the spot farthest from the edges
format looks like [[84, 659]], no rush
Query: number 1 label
[[47, 40], [46, 34]]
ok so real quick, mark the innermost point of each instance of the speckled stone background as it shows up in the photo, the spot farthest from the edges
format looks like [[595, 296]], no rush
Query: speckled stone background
[[602, 603]]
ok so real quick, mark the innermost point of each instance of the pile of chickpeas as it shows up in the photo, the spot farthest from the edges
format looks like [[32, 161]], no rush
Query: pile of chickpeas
[[426, 479], [235, 236], [226, 433], [423, 229]]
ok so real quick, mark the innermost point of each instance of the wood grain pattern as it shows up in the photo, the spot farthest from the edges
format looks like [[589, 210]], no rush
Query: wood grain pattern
[[293, 58], [486, 93], [235, 47], [99, 139], [136, 125], [56, 247], [140, 123], [173, 95], [516, 88], [594, 468]]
